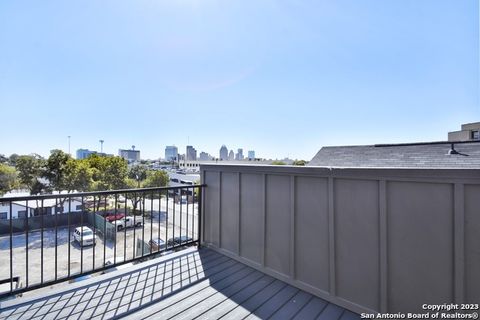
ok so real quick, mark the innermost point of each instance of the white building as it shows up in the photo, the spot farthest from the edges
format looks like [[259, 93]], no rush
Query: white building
[[20, 208], [251, 155]]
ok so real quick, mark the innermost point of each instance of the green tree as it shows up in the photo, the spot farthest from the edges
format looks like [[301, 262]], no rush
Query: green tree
[[30, 169], [278, 163], [59, 171], [80, 175], [12, 160], [8, 178], [138, 173], [299, 162], [156, 179], [108, 173], [3, 159]]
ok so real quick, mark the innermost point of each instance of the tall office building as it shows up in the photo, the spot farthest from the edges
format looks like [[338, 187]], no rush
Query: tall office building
[[239, 155], [204, 156], [223, 153], [191, 154], [84, 153], [131, 155], [231, 155], [171, 153], [251, 155]]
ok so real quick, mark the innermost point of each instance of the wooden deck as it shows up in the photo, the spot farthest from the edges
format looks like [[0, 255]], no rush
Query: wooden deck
[[195, 284]]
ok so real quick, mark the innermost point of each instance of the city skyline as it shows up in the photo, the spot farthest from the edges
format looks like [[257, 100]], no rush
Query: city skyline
[[281, 77]]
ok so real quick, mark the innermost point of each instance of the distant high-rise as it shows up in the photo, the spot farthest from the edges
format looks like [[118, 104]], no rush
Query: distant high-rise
[[231, 155], [251, 155], [239, 155], [204, 156], [191, 154], [84, 153], [223, 153], [131, 155], [171, 153]]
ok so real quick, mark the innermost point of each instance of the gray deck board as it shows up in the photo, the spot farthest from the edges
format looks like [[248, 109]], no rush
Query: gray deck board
[[294, 305], [274, 303], [331, 312], [254, 301], [199, 284], [312, 309]]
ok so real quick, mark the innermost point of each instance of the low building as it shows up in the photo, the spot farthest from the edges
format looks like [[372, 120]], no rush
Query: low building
[[20, 208], [469, 132]]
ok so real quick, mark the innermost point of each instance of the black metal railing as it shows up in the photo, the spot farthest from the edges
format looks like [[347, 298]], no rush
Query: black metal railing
[[51, 238]]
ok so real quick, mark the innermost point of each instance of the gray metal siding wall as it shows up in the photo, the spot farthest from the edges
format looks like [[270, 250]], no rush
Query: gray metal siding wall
[[365, 239]]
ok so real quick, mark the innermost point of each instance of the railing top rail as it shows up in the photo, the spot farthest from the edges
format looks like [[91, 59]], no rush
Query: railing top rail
[[96, 193]]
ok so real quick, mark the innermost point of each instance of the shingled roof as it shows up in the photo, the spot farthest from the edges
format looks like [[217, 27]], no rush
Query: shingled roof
[[414, 155]]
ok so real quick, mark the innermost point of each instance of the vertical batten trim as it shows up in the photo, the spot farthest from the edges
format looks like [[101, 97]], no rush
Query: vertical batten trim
[[331, 236], [459, 243], [383, 226], [292, 227]]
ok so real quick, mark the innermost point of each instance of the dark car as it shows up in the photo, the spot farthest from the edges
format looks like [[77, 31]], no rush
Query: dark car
[[178, 241], [157, 244]]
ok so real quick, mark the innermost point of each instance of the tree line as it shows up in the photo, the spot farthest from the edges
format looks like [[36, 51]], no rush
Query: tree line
[[60, 172]]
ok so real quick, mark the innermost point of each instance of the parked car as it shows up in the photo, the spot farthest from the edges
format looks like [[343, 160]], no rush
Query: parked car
[[113, 217], [84, 236], [157, 244], [128, 222], [178, 241]]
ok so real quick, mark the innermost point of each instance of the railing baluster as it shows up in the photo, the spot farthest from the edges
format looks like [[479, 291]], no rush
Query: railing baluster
[[104, 233], [56, 240], [69, 235], [134, 220], [41, 262], [94, 228], [159, 214], [11, 248], [27, 230], [166, 222], [115, 233], [143, 221], [151, 223], [187, 215], [125, 231], [181, 214], [174, 214], [81, 235]]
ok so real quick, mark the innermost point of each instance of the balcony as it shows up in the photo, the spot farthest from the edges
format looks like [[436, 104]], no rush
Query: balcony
[[276, 242]]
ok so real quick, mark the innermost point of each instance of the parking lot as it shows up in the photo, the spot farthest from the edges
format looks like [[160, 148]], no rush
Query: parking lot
[[63, 256]]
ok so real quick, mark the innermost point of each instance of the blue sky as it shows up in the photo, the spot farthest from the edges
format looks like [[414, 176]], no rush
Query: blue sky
[[282, 77]]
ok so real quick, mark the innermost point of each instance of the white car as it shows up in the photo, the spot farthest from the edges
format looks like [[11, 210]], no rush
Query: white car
[[84, 236]]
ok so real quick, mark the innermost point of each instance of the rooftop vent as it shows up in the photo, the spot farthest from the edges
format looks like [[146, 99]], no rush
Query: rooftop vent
[[452, 149]]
